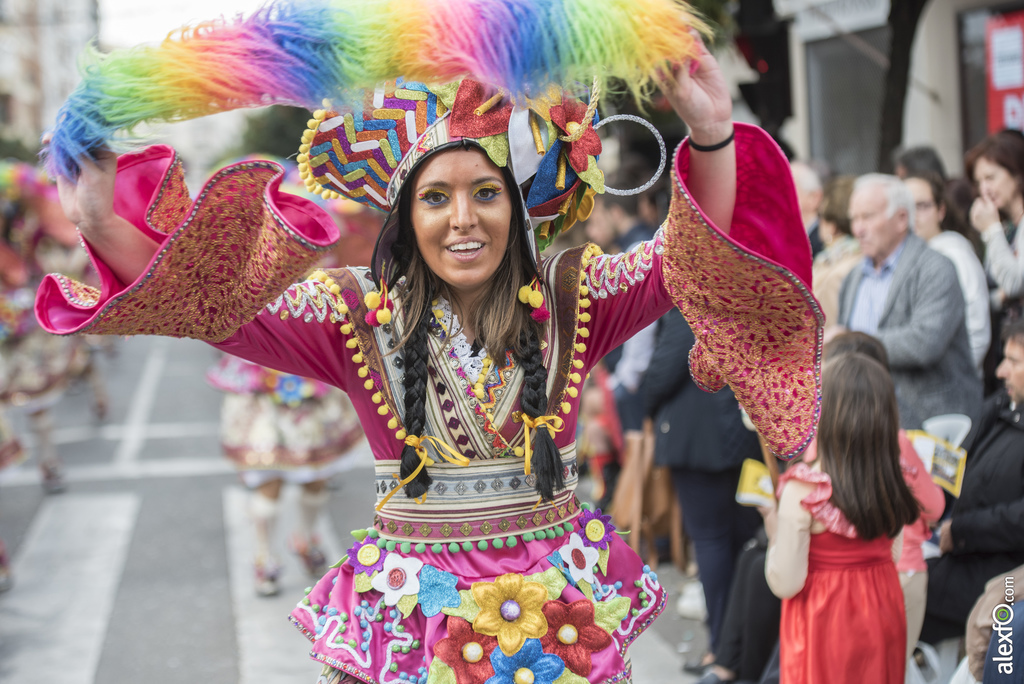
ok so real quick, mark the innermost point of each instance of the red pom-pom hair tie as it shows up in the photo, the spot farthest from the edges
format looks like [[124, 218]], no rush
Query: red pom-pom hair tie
[[532, 296]]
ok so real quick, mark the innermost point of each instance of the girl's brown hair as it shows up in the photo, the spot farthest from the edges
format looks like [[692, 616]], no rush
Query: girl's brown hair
[[858, 444]]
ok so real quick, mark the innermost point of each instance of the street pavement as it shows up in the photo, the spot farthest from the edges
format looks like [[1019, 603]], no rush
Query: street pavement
[[141, 570]]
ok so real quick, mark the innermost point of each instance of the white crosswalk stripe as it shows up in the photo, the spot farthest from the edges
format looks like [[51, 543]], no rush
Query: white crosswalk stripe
[[67, 576]]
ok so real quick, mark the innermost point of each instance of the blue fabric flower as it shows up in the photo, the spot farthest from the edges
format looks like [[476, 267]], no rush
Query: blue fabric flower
[[557, 561], [437, 590], [290, 390], [546, 668]]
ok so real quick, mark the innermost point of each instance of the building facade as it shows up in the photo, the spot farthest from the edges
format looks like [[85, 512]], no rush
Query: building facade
[[40, 42], [838, 57]]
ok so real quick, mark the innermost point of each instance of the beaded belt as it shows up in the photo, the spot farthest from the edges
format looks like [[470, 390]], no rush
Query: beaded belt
[[486, 499]]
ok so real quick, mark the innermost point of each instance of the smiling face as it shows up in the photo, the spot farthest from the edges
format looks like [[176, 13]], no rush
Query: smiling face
[[996, 183], [461, 212]]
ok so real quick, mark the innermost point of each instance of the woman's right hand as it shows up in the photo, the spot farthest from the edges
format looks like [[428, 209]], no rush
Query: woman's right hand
[[89, 204], [89, 201], [984, 214]]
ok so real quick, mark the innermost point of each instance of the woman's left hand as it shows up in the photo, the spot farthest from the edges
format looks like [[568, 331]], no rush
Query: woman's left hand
[[698, 92]]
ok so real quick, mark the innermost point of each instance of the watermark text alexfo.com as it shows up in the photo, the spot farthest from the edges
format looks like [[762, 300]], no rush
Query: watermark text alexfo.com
[[1002, 616]]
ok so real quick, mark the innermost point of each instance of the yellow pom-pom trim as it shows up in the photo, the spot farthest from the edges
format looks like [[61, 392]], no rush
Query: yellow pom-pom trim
[[346, 329], [584, 303], [343, 308], [584, 291], [383, 316], [584, 317], [575, 377], [368, 384], [335, 289], [393, 423], [519, 451], [351, 344], [302, 158], [383, 410], [376, 397], [401, 435], [577, 363], [524, 294], [358, 358], [312, 123], [583, 332], [536, 299], [307, 136], [580, 347], [319, 115], [372, 300], [572, 392], [363, 371], [566, 407]]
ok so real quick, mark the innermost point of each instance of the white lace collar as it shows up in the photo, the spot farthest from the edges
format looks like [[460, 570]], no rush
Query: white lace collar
[[472, 363]]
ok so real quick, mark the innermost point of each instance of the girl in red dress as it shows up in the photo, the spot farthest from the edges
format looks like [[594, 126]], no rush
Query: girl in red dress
[[836, 534]]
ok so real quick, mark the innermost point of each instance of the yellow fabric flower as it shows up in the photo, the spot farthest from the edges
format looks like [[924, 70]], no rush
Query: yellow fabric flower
[[511, 610]]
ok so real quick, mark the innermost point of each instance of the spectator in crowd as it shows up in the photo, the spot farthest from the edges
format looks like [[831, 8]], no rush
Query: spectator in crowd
[[831, 555], [701, 437], [809, 194], [985, 533], [911, 564], [920, 159], [841, 253], [996, 165], [908, 296], [938, 223]]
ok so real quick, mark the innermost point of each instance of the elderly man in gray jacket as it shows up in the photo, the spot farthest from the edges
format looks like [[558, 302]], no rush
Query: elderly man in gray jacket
[[908, 296]]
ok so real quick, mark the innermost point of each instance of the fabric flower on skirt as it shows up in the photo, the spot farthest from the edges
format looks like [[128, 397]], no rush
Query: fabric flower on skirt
[[366, 556], [529, 665], [468, 653], [437, 590], [569, 117], [596, 529], [573, 635], [399, 578], [580, 559], [510, 609]]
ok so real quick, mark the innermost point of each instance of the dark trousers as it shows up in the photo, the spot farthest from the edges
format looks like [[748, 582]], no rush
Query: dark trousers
[[750, 627], [719, 527]]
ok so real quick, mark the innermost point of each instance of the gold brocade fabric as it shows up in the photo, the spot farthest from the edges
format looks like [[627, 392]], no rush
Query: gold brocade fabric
[[758, 328], [225, 226]]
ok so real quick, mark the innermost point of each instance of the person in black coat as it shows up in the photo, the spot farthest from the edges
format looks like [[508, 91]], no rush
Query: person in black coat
[[984, 536], [701, 437]]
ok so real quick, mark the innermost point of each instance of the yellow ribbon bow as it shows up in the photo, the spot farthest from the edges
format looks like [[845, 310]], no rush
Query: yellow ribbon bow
[[553, 423], [418, 443]]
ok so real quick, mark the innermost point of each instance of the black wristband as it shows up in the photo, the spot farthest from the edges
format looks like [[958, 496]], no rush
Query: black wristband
[[716, 146]]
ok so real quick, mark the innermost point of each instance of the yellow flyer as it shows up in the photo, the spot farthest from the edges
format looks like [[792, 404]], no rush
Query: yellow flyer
[[944, 461], [755, 488]]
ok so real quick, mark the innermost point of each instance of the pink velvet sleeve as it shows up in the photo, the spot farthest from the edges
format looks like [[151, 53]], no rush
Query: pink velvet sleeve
[[222, 258], [747, 295]]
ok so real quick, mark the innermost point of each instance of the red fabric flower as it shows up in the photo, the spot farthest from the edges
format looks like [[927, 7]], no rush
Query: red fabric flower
[[573, 635], [568, 116], [464, 121], [472, 664]]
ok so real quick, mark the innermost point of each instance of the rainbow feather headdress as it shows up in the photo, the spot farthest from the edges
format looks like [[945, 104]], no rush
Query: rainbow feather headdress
[[304, 51]]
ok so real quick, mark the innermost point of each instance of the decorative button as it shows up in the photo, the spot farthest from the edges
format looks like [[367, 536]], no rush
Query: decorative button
[[472, 652], [510, 611], [567, 634], [524, 675], [368, 555], [595, 530]]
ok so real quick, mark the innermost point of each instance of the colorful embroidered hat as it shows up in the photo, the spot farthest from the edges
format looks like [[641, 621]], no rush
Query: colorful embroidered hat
[[548, 143]]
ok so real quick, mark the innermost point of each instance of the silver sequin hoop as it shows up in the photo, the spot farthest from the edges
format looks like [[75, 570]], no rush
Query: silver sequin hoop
[[661, 147]]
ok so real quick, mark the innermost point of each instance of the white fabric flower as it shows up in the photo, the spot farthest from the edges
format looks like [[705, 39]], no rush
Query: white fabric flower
[[399, 578], [580, 559]]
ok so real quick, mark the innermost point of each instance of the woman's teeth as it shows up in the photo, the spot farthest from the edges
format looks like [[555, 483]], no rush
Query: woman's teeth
[[465, 247]]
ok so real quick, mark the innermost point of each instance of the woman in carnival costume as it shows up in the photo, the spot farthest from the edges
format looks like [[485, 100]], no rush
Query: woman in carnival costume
[[462, 351], [36, 368]]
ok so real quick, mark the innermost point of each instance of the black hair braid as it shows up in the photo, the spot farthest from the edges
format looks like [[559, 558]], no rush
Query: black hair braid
[[546, 463], [414, 358]]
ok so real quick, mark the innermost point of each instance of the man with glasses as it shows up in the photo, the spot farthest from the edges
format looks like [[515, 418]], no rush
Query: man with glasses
[[908, 296]]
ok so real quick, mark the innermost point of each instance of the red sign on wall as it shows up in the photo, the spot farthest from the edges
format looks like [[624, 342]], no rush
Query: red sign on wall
[[1004, 42]]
